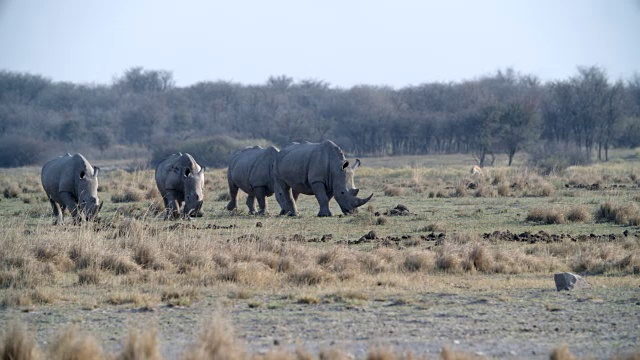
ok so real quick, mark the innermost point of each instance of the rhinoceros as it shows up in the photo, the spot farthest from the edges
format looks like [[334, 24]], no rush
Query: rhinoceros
[[70, 182], [318, 169], [180, 181], [250, 170]]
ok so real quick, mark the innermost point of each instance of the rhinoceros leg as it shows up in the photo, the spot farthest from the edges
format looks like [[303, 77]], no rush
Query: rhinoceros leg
[[285, 199], [57, 213], [233, 194], [320, 191], [69, 202], [172, 205], [251, 204], [261, 194]]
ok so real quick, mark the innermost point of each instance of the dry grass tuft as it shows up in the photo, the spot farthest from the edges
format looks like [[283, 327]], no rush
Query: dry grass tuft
[[217, 341], [627, 214], [381, 353], [448, 262], [391, 190], [89, 277], [579, 213], [504, 190], [71, 344], [485, 191], [418, 261], [480, 258], [180, 296], [334, 354], [17, 344], [141, 345], [546, 216], [11, 191], [562, 353], [308, 277], [308, 299], [118, 264], [461, 190], [448, 354], [147, 256], [127, 196]]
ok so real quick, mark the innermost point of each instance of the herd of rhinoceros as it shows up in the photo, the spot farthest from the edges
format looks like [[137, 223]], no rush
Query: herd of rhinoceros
[[319, 169]]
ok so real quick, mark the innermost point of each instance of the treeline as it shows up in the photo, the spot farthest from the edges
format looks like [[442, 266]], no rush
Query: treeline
[[506, 112]]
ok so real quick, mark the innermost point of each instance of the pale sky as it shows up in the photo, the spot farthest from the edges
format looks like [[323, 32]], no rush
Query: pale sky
[[345, 43]]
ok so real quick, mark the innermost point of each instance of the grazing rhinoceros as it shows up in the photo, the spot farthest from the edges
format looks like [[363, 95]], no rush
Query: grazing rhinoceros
[[180, 180], [250, 170], [315, 169], [70, 182]]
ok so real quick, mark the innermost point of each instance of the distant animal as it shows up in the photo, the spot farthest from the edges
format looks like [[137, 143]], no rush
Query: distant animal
[[250, 170], [476, 170], [180, 181], [70, 182], [318, 169]]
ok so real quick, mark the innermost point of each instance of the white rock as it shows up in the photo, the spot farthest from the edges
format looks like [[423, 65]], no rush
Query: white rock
[[568, 281]]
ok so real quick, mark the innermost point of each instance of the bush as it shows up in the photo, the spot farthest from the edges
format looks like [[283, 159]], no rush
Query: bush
[[546, 216], [579, 213], [553, 158], [627, 214], [213, 151], [15, 152]]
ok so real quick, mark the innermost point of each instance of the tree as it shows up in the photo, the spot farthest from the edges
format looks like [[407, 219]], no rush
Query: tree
[[518, 126], [138, 80]]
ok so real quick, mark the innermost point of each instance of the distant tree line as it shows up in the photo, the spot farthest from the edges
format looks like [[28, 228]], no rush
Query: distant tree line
[[503, 113]]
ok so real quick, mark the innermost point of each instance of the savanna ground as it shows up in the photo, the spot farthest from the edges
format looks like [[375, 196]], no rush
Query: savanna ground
[[438, 260]]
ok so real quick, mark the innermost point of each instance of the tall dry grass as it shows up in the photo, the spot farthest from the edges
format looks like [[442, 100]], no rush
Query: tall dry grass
[[216, 340]]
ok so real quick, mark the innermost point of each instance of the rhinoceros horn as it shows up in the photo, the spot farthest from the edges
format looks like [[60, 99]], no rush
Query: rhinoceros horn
[[360, 202]]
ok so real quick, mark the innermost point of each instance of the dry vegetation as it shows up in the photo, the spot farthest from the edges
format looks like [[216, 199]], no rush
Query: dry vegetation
[[146, 263]]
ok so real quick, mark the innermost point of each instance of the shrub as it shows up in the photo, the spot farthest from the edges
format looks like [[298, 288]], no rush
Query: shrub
[[546, 216], [391, 190], [504, 190], [627, 214], [213, 151], [129, 195], [553, 158], [11, 191], [416, 262], [16, 151], [579, 213], [73, 344], [17, 344]]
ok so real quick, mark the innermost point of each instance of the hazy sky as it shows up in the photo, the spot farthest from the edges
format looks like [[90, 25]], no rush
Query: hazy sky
[[343, 42]]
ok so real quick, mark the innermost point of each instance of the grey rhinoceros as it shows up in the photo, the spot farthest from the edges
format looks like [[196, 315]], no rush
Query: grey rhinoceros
[[318, 169], [250, 170], [70, 182], [181, 180]]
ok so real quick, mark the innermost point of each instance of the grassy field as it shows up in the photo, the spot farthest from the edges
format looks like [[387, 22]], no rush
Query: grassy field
[[439, 264]]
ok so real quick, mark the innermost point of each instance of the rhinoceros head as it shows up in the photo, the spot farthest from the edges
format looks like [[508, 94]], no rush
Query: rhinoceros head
[[344, 189], [193, 191], [87, 188]]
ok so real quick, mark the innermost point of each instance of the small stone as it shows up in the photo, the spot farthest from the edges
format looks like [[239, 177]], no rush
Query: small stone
[[259, 224]]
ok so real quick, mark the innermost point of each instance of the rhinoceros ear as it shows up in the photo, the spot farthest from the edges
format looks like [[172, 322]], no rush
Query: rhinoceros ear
[[96, 170], [345, 165], [356, 165]]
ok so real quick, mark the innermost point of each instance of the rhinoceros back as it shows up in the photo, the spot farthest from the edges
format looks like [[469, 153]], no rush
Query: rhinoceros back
[[61, 174], [169, 171], [252, 167], [300, 165]]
